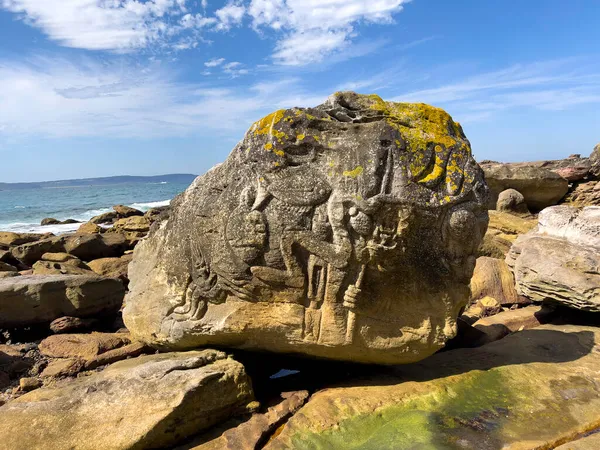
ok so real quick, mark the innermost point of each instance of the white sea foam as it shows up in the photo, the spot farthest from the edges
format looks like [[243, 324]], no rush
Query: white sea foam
[[149, 205]]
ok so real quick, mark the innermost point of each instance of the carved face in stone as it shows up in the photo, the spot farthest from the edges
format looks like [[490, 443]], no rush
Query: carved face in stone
[[345, 231]]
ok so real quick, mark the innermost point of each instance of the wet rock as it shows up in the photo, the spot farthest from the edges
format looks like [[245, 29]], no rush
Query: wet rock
[[534, 389], [27, 300], [560, 261], [147, 402], [345, 231], [50, 221]]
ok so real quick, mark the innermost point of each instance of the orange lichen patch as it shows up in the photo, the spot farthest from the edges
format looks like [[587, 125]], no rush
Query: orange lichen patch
[[268, 146], [279, 152], [266, 126], [300, 137]]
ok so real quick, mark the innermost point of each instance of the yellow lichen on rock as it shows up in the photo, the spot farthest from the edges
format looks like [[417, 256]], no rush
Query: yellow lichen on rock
[[358, 170]]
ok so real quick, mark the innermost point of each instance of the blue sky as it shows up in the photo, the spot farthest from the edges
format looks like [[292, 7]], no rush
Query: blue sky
[[108, 87]]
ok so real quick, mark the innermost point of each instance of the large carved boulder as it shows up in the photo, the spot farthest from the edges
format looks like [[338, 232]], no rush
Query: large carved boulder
[[346, 231]]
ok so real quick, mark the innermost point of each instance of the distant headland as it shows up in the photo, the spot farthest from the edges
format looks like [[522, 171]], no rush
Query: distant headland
[[103, 181]]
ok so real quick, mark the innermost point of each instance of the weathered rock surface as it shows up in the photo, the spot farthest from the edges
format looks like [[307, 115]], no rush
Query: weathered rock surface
[[127, 211], [511, 200], [112, 267], [11, 239], [147, 402], [4, 267], [584, 194], [89, 228], [591, 442], [27, 300], [503, 230], [94, 246], [492, 278], [595, 160], [31, 252], [134, 223], [560, 262], [533, 389], [85, 346], [345, 231], [105, 218], [68, 324], [502, 324], [540, 187], [57, 268]]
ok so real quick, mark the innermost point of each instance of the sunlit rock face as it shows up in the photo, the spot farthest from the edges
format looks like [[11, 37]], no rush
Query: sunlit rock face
[[346, 231]]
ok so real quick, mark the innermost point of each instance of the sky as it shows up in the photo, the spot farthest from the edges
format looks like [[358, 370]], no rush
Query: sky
[[94, 88]]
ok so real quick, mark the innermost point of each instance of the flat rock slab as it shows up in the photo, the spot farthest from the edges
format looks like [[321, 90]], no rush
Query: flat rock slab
[[33, 299], [147, 402], [534, 389]]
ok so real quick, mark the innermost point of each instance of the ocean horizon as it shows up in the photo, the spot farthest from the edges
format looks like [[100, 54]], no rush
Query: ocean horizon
[[22, 210]]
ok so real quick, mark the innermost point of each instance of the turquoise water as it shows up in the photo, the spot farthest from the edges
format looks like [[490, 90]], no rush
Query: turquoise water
[[23, 210]]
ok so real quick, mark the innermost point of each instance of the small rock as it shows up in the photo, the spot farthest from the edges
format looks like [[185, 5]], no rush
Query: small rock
[[112, 267], [69, 324], [492, 278], [50, 221], [27, 384], [106, 218], [497, 326], [513, 201], [61, 258], [89, 228], [63, 367], [85, 346], [57, 268], [12, 239]]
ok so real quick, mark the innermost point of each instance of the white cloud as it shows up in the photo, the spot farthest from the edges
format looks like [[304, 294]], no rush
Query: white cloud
[[230, 15], [551, 85], [116, 25], [52, 97], [316, 28], [214, 62]]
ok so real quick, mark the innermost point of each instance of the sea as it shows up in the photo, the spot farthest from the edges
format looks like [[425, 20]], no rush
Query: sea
[[22, 210]]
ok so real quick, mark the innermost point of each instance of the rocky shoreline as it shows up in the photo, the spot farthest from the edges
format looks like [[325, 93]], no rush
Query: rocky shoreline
[[520, 372]]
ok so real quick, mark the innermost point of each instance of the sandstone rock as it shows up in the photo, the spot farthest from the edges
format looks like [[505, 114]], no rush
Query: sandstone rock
[[27, 384], [250, 434], [595, 160], [61, 258], [530, 390], [11, 239], [89, 228], [117, 354], [492, 278], [126, 211], [9, 274], [584, 194], [28, 300], [69, 324], [147, 402], [540, 187], [134, 224], [345, 231], [50, 221], [511, 200], [590, 442], [93, 246], [7, 267], [31, 252], [112, 267], [497, 326], [85, 346], [57, 268], [105, 218], [64, 367], [157, 214], [484, 307], [503, 230], [560, 262]]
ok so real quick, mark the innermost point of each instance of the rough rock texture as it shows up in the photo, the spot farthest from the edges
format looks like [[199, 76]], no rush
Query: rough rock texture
[[531, 390], [127, 211], [591, 442], [85, 346], [134, 223], [105, 218], [68, 324], [511, 200], [503, 230], [10, 239], [595, 160], [57, 268], [32, 299], [560, 261], [89, 228], [497, 326], [147, 402], [30, 252], [346, 231], [112, 267], [4, 267], [492, 278], [540, 187], [584, 194]]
